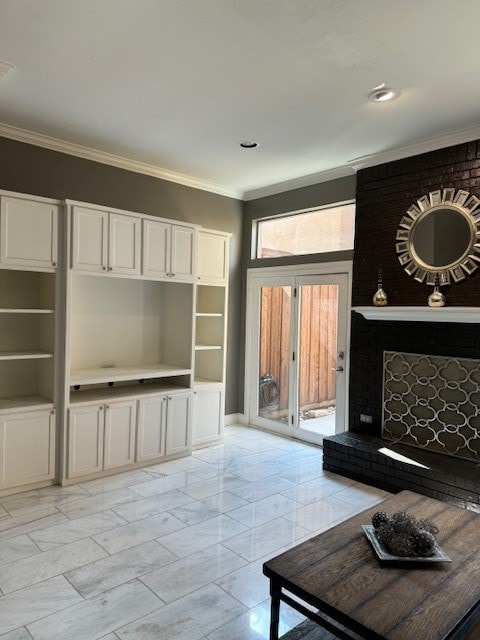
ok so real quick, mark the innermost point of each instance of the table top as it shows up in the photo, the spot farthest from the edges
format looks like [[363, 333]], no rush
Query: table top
[[339, 573]]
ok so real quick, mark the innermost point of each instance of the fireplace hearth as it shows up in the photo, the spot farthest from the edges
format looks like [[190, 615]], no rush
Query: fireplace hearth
[[393, 467]]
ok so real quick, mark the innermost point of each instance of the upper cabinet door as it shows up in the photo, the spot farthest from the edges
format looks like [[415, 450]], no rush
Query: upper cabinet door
[[212, 257], [124, 244], [29, 234], [156, 249], [183, 253], [89, 239]]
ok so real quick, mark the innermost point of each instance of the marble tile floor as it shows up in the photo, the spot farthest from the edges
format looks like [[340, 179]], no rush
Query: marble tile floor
[[169, 552]]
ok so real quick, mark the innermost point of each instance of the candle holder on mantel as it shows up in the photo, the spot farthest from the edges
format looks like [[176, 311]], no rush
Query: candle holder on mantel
[[380, 297], [436, 298]]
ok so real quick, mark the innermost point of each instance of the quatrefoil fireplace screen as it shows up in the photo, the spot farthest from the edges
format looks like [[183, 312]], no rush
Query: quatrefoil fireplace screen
[[432, 402], [438, 240]]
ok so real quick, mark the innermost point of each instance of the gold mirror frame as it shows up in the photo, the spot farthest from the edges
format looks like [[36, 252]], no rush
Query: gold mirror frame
[[461, 202]]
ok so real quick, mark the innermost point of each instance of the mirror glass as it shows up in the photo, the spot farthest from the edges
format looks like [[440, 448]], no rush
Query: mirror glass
[[441, 238], [438, 238]]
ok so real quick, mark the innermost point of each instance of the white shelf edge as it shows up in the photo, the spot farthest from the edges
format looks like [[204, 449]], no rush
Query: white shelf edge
[[130, 392], [121, 374], [13, 404], [200, 314], [203, 383], [207, 347], [33, 354], [421, 314], [20, 310]]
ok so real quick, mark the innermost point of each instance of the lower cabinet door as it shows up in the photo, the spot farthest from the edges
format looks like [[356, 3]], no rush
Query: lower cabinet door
[[152, 415], [207, 415], [27, 448], [85, 440], [179, 423], [120, 423]]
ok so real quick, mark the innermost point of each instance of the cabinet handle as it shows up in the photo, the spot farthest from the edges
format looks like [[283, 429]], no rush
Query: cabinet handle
[[54, 264], [53, 412], [104, 268], [100, 408], [110, 268], [172, 275], [107, 406]]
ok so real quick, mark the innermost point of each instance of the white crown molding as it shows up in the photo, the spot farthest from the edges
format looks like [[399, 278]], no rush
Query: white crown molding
[[415, 149], [72, 149], [88, 153], [297, 183]]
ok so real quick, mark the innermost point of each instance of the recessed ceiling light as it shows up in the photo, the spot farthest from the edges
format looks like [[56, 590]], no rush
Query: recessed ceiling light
[[5, 67], [383, 93], [248, 144]]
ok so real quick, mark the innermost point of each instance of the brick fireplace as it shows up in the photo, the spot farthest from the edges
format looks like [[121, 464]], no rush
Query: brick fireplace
[[384, 193]]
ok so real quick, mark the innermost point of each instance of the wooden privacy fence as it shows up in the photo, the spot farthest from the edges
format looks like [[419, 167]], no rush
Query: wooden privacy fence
[[318, 342]]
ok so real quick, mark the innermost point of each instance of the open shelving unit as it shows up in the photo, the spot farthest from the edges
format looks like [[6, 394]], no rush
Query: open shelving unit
[[210, 338], [210, 335], [27, 340], [125, 330]]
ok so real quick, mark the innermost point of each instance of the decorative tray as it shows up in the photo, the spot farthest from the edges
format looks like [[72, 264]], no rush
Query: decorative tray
[[383, 554]]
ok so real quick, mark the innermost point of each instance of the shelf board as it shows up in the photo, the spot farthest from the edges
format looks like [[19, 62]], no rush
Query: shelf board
[[14, 403], [201, 314], [203, 383], [31, 354], [207, 347], [33, 311], [125, 373], [421, 314], [125, 392]]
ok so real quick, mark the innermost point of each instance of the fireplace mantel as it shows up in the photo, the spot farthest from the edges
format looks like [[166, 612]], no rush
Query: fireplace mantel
[[421, 314]]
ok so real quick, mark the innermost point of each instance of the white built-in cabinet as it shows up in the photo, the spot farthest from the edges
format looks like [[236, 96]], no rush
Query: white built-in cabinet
[[211, 304], [208, 414], [152, 420], [142, 353], [85, 442], [27, 448], [120, 428], [164, 425], [179, 424], [105, 241], [101, 437], [28, 233], [212, 252], [29, 328], [168, 250]]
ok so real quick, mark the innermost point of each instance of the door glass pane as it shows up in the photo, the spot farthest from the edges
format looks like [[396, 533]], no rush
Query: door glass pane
[[318, 320], [274, 352]]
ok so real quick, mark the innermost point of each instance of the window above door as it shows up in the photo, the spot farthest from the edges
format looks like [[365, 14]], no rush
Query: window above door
[[320, 230]]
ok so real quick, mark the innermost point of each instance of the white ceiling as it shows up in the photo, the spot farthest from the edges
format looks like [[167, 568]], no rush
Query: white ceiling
[[176, 84]]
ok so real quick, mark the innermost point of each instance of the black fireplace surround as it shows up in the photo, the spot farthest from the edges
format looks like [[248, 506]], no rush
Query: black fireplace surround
[[384, 193]]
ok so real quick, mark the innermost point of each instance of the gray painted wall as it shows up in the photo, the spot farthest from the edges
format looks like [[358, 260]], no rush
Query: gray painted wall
[[316, 195], [29, 169]]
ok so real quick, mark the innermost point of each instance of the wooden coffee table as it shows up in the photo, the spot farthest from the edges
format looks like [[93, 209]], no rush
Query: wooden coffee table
[[338, 573]]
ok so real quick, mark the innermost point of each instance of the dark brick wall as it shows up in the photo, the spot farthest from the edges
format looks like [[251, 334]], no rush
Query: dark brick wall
[[384, 193]]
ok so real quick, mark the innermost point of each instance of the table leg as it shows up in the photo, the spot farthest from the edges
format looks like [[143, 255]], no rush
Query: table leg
[[275, 592]]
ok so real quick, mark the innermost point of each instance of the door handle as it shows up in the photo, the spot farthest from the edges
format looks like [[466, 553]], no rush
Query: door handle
[[338, 369]]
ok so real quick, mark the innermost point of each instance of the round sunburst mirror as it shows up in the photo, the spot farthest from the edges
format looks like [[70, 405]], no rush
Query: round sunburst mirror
[[438, 240]]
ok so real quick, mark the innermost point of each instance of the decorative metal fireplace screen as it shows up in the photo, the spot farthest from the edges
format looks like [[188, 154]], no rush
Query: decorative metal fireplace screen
[[432, 402]]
